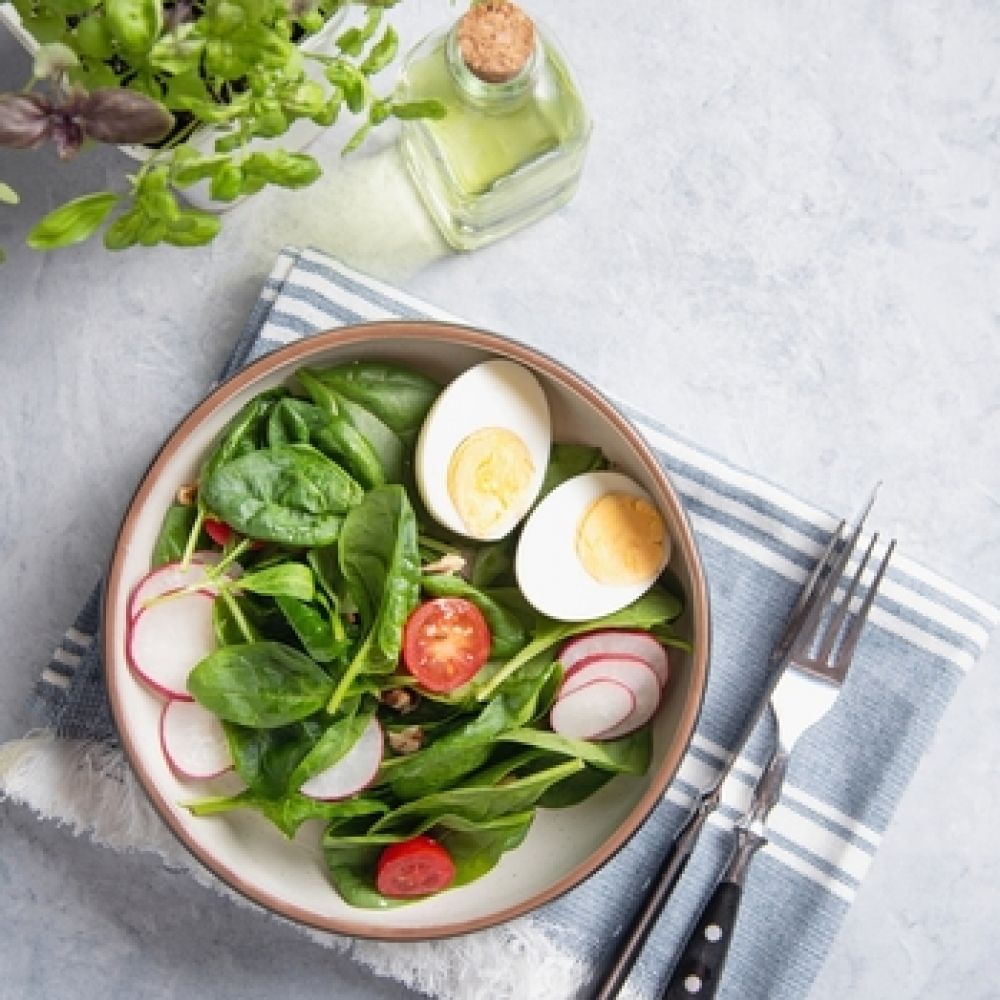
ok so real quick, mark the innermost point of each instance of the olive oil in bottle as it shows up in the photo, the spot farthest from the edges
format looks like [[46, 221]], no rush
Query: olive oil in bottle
[[511, 146]]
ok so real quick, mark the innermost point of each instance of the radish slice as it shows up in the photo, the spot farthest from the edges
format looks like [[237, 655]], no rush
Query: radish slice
[[166, 640], [174, 576], [193, 740], [587, 712], [636, 674], [353, 772], [620, 643]]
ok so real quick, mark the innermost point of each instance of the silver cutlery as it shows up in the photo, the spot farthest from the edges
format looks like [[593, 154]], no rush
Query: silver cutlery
[[805, 693], [814, 596]]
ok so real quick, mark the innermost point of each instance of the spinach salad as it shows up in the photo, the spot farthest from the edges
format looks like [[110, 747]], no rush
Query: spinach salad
[[368, 668]]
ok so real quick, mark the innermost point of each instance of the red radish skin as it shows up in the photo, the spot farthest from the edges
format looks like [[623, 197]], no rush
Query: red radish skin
[[164, 642], [636, 674], [354, 771], [620, 642], [172, 576], [592, 709], [193, 740]]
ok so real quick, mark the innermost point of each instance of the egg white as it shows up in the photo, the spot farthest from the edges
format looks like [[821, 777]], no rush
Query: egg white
[[497, 393], [548, 570]]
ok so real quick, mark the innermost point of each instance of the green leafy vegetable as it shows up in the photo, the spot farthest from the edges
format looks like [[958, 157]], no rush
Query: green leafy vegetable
[[291, 494], [261, 684]]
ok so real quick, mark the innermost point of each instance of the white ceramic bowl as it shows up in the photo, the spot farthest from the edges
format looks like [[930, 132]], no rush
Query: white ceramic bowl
[[564, 846]]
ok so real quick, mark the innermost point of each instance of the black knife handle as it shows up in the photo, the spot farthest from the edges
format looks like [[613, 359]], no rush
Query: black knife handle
[[613, 976], [700, 966]]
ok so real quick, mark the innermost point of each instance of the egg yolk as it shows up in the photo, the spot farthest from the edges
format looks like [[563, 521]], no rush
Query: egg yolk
[[487, 477], [621, 539]]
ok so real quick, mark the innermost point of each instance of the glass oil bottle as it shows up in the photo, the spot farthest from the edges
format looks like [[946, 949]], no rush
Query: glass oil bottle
[[512, 144]]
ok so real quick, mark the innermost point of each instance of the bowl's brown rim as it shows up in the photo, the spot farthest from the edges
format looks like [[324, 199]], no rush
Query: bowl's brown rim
[[499, 345]]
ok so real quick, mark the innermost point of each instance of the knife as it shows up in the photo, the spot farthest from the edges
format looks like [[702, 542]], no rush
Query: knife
[[833, 560]]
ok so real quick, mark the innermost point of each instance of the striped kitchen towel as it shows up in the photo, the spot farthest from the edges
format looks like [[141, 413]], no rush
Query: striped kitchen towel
[[758, 543]]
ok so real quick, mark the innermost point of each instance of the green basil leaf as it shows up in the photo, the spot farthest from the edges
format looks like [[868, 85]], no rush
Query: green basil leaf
[[193, 229], [261, 684], [134, 24], [52, 59], [408, 110], [382, 53], [291, 170], [73, 222]]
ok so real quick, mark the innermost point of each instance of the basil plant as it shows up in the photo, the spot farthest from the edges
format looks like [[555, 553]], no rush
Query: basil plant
[[155, 72]]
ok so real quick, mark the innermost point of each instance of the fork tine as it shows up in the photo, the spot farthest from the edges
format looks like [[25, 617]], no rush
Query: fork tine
[[826, 567], [806, 634], [846, 652], [838, 618]]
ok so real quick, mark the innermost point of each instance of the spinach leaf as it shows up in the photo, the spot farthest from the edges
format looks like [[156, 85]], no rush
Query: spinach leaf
[[493, 562], [266, 758], [475, 848], [567, 461], [289, 812], [318, 629], [243, 434], [325, 565], [295, 421], [341, 440], [291, 494], [478, 803], [576, 788], [385, 442], [260, 684], [380, 563], [459, 752], [178, 523], [629, 755], [655, 607], [507, 633], [398, 396], [231, 623], [286, 579], [468, 746], [336, 740]]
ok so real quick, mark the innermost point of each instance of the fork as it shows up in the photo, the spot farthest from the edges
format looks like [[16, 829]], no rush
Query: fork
[[631, 940], [804, 694]]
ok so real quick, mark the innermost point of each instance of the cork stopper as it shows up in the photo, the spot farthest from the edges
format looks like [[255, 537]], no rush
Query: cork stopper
[[496, 39]]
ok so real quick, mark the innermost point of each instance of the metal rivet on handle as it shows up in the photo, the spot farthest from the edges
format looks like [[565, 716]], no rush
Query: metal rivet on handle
[[693, 984]]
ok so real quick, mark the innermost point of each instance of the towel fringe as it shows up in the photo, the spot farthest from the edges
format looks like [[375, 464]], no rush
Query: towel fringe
[[88, 787]]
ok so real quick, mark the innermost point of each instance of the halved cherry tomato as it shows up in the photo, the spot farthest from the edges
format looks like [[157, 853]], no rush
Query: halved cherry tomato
[[218, 531], [445, 642], [415, 867]]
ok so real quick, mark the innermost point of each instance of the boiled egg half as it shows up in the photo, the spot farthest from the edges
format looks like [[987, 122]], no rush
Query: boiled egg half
[[483, 449], [595, 544]]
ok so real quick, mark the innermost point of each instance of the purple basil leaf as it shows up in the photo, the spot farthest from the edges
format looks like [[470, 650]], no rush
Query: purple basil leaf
[[110, 114], [24, 120], [67, 134]]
